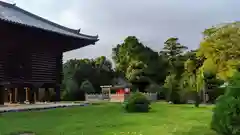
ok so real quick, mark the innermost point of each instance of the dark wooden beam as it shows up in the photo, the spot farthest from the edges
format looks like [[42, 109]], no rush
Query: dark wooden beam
[[21, 94], [58, 94], [2, 95]]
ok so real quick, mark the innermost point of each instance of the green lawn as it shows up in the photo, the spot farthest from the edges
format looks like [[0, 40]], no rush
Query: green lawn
[[110, 119]]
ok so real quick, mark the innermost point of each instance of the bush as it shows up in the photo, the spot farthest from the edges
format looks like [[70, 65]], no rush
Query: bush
[[137, 102], [226, 116]]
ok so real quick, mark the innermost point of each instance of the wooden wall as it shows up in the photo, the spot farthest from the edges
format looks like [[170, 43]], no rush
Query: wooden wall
[[37, 51], [45, 66], [29, 64], [33, 65], [1, 66]]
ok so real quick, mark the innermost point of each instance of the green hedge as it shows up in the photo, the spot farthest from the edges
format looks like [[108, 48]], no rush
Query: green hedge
[[137, 102], [226, 114]]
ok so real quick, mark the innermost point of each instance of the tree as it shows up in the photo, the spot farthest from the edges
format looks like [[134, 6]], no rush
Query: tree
[[221, 49], [154, 88], [135, 74], [124, 53], [131, 55], [212, 86], [103, 63], [77, 71], [225, 119], [173, 50], [172, 93], [87, 87], [195, 76]]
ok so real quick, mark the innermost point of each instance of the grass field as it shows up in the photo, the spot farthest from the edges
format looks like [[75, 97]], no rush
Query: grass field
[[110, 119]]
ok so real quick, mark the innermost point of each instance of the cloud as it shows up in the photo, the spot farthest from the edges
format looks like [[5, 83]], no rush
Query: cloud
[[153, 21], [70, 18]]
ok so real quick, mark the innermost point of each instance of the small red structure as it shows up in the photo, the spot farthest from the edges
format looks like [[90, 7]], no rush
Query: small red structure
[[115, 93]]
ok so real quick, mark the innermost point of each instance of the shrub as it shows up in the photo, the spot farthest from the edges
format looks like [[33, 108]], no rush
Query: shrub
[[137, 102], [226, 114]]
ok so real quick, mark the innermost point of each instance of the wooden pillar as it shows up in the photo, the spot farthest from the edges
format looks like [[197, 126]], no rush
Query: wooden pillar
[[57, 95], [13, 94], [33, 92], [109, 94], [35, 96], [47, 95], [2, 95], [6, 95], [21, 94], [10, 95], [16, 95], [27, 95], [46, 91], [40, 94]]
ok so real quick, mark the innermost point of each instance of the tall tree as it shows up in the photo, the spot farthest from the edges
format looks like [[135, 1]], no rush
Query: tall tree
[[194, 76], [221, 49], [173, 50], [128, 56]]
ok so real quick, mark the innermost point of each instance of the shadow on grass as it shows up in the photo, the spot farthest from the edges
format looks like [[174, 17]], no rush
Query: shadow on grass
[[196, 130], [190, 106], [151, 111], [22, 133]]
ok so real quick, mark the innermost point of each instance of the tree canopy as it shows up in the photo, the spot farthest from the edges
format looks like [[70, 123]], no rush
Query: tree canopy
[[221, 49], [86, 75], [174, 67], [138, 62]]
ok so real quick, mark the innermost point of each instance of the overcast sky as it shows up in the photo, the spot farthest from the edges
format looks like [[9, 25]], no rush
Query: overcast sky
[[152, 21]]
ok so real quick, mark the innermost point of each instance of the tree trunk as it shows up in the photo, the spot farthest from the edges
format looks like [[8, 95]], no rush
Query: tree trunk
[[197, 99]]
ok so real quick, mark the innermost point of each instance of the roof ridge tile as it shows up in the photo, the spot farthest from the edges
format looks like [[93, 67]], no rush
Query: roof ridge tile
[[39, 18]]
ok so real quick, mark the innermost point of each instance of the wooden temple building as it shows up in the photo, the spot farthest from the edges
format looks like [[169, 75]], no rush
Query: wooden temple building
[[31, 52]]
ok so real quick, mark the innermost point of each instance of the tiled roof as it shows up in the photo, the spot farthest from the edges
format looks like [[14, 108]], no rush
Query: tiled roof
[[13, 14]]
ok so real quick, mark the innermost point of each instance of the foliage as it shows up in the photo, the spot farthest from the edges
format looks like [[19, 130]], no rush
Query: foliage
[[76, 71], [173, 51], [221, 49], [178, 71], [226, 116], [70, 90], [212, 86], [137, 102], [173, 48], [154, 88], [139, 63], [135, 70], [87, 87], [192, 78], [172, 85]]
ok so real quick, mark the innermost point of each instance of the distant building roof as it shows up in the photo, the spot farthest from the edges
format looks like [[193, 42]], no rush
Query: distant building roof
[[12, 14]]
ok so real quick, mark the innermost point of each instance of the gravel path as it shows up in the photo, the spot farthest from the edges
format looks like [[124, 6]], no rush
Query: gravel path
[[39, 106]]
